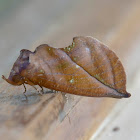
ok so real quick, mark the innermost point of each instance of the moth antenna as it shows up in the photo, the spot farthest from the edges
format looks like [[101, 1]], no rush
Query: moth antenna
[[25, 92]]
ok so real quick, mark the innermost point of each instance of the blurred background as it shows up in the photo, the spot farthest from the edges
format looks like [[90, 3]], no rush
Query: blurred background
[[25, 24]]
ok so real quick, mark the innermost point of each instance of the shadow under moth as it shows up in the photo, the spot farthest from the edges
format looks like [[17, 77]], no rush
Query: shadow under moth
[[87, 68]]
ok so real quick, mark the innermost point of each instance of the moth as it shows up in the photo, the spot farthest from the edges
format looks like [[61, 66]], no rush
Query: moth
[[87, 68]]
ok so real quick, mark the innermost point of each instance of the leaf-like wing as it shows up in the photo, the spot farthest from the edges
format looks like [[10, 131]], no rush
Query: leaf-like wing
[[87, 68]]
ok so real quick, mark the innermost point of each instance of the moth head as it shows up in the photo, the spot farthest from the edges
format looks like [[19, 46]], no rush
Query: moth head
[[15, 77], [15, 80]]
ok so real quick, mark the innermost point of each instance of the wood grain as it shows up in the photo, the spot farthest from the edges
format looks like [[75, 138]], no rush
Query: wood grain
[[55, 117]]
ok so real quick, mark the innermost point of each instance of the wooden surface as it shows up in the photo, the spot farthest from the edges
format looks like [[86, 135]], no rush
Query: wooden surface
[[60, 117]]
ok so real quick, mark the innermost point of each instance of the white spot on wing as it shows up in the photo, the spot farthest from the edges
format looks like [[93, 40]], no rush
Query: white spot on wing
[[71, 81], [77, 66]]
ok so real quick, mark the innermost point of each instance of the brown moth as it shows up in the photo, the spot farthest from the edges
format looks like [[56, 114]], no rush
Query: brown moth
[[87, 67]]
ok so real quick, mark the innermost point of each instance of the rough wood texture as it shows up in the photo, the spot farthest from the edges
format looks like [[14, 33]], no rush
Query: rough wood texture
[[54, 117]]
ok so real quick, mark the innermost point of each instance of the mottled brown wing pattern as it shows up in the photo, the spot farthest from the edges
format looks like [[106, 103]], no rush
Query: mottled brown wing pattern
[[99, 61], [87, 67]]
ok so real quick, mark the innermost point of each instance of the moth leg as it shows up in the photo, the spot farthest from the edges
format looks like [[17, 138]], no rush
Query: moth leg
[[25, 92], [42, 90], [53, 91], [32, 84], [36, 89]]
